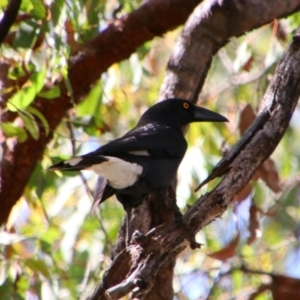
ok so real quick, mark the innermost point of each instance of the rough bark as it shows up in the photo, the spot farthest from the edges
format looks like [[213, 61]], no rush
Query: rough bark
[[209, 28], [153, 212], [152, 251]]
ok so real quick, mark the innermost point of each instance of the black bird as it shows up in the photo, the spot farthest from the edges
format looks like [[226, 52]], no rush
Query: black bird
[[146, 158]]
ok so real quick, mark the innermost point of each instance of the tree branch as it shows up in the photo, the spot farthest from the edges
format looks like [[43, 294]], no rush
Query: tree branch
[[275, 113], [208, 29]]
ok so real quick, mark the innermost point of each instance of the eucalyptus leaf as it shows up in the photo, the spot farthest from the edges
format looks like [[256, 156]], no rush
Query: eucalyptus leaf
[[91, 104], [10, 130], [21, 99], [26, 35], [38, 10], [30, 124], [50, 94], [37, 265], [39, 115]]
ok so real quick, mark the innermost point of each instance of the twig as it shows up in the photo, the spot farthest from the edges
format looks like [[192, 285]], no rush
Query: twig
[[125, 287], [85, 184]]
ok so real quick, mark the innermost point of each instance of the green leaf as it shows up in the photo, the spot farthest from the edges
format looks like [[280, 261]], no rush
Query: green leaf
[[67, 82], [56, 10], [50, 94], [26, 35], [90, 105], [21, 99], [51, 235], [26, 5], [3, 4], [38, 10], [90, 28], [37, 265], [7, 290], [39, 115], [237, 277], [11, 130], [22, 285], [78, 269], [285, 220], [30, 124], [37, 79], [35, 8], [46, 247], [290, 197], [3, 272], [16, 71]]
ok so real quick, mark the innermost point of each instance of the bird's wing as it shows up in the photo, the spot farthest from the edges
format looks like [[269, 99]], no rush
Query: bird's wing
[[149, 140], [117, 161]]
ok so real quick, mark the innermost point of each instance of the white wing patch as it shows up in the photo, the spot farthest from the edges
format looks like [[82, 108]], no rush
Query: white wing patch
[[119, 173], [73, 161], [139, 152]]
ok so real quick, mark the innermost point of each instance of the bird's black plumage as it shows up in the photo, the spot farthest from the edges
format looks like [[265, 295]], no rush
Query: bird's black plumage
[[146, 158]]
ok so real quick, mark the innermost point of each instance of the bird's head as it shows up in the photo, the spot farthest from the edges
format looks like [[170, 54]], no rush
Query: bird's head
[[178, 113]]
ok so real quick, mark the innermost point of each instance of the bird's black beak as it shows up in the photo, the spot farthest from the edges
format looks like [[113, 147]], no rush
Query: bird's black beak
[[204, 115]]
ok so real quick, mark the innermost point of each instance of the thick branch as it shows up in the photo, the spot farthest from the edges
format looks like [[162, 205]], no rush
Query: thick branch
[[209, 28], [275, 112], [123, 37]]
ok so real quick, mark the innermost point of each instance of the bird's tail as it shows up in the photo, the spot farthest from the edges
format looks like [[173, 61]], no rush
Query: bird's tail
[[78, 163]]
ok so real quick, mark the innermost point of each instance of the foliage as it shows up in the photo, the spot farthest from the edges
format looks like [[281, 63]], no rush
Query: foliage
[[54, 248]]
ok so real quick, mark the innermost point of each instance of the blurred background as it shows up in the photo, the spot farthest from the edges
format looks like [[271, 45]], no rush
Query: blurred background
[[54, 248]]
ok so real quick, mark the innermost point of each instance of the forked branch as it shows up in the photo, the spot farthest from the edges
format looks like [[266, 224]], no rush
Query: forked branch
[[256, 145]]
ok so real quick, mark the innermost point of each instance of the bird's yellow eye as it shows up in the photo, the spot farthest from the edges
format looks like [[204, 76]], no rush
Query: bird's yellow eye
[[186, 105]]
